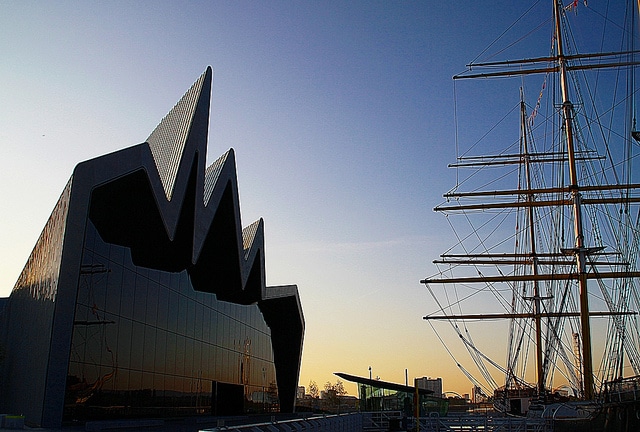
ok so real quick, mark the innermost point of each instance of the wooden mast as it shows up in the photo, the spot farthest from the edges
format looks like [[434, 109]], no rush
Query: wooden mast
[[534, 257], [543, 197], [579, 250]]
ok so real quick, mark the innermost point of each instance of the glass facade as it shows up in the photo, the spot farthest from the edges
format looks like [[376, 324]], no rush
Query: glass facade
[[379, 398], [88, 334], [145, 343]]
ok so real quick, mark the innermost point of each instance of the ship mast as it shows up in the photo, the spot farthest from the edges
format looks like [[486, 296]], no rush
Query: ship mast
[[569, 194], [532, 240], [579, 250]]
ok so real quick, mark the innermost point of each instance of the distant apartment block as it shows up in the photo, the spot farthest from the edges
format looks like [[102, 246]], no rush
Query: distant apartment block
[[433, 384]]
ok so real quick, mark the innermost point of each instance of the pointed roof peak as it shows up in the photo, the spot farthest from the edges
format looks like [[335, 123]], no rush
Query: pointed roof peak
[[168, 140]]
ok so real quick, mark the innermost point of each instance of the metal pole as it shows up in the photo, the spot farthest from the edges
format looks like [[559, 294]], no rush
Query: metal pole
[[417, 405]]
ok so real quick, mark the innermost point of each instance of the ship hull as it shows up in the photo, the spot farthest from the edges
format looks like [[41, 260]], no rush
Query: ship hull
[[613, 417]]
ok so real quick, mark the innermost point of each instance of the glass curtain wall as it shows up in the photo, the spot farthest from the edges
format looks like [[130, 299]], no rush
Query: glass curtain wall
[[145, 343], [374, 398]]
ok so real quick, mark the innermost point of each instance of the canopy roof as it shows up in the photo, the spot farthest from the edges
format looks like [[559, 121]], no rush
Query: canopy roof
[[382, 384]]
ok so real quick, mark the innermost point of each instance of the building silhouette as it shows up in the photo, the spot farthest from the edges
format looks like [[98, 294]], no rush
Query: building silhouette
[[433, 384], [144, 296]]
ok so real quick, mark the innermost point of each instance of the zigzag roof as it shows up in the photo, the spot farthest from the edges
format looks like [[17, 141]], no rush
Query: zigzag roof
[[197, 206], [159, 200]]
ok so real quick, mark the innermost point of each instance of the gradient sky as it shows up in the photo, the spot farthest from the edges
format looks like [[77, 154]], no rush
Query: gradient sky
[[340, 113]]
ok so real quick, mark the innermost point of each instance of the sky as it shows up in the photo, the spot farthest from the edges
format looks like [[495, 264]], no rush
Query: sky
[[341, 114]]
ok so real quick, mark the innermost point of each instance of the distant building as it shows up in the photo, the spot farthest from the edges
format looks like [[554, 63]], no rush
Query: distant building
[[328, 402], [433, 384], [478, 396], [301, 392], [144, 296]]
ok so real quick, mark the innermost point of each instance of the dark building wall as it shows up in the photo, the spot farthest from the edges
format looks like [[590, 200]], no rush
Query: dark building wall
[[27, 320]]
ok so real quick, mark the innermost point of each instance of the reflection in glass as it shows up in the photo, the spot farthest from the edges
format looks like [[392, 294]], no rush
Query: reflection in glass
[[144, 343]]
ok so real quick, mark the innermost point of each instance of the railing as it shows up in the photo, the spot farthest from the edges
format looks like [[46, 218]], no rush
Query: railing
[[622, 390], [484, 423], [330, 423], [381, 420], [394, 421]]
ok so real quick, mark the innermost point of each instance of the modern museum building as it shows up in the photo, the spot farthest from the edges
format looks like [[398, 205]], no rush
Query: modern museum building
[[145, 297]]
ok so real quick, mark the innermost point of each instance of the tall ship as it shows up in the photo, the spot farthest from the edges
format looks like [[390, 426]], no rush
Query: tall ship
[[537, 300]]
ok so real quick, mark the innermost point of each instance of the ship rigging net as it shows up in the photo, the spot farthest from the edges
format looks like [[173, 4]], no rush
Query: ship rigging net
[[545, 210]]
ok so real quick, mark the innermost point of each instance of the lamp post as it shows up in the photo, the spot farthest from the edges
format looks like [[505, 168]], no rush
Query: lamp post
[[370, 390]]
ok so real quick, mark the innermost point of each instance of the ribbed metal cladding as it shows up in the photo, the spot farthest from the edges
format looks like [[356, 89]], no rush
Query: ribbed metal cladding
[[40, 275], [211, 176], [167, 141], [248, 235]]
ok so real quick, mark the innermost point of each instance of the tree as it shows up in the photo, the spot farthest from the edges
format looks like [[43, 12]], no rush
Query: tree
[[313, 390], [337, 388], [333, 393]]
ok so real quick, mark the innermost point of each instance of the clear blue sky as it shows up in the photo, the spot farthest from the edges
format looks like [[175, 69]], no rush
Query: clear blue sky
[[341, 115]]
